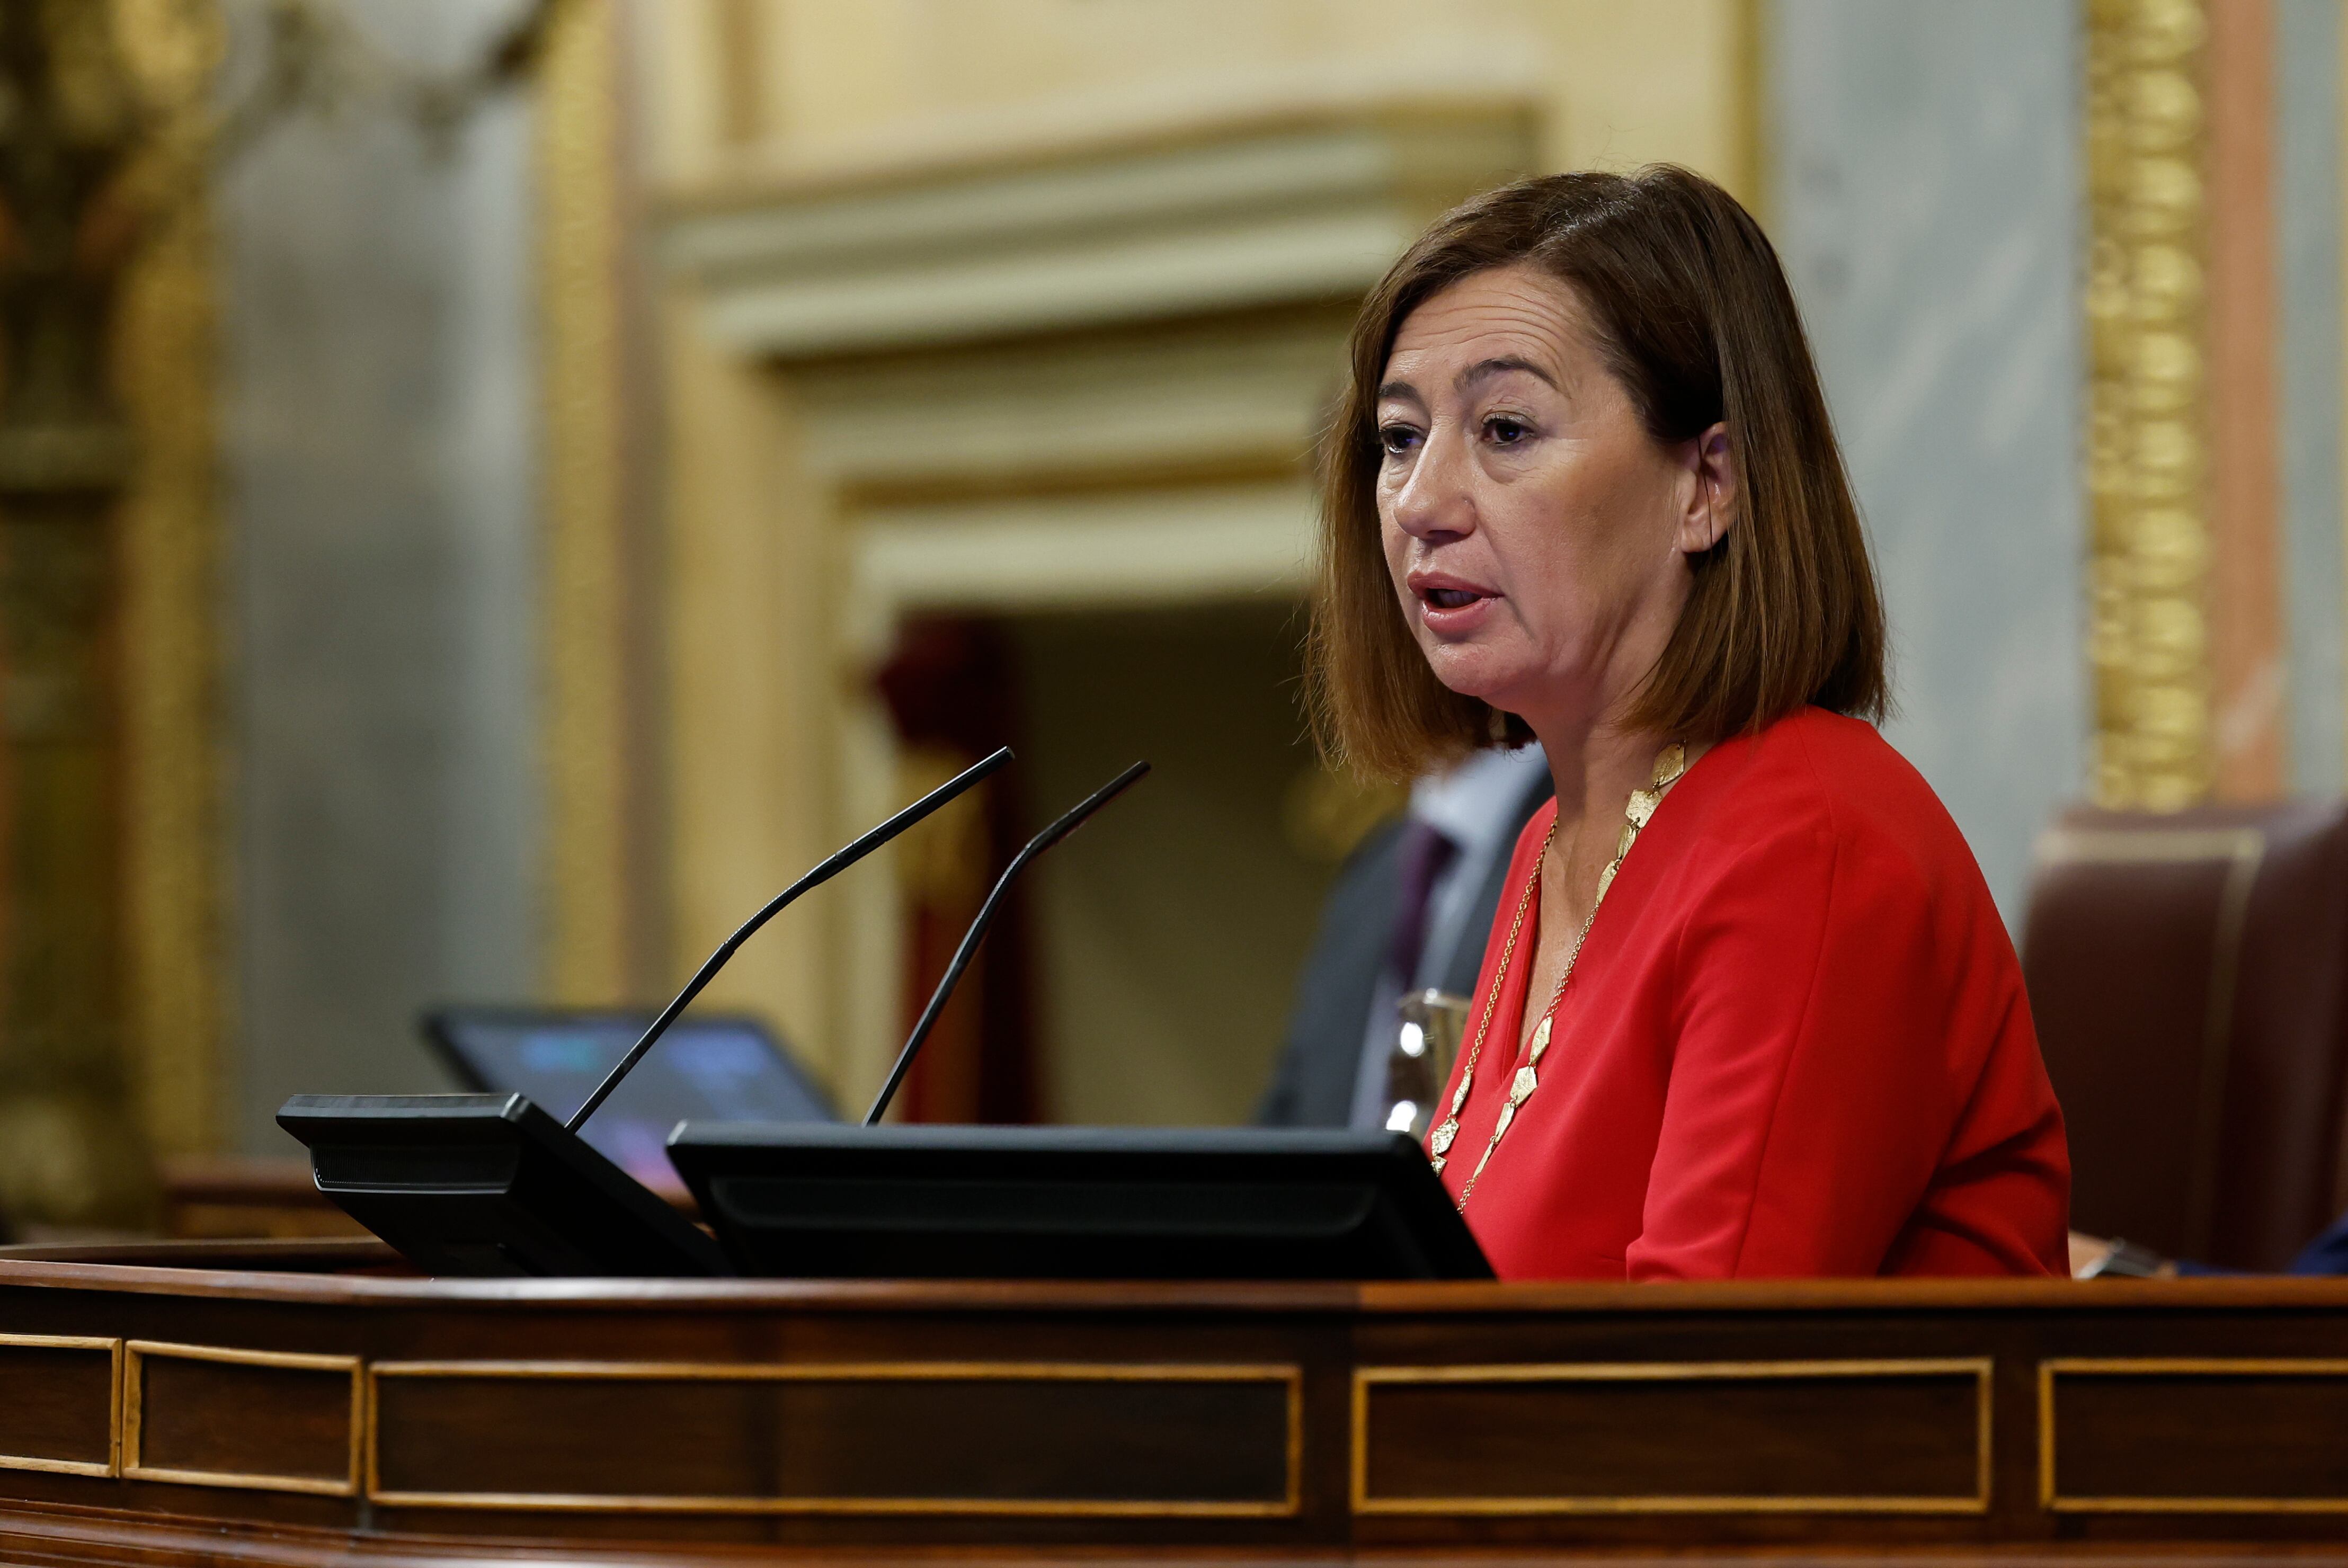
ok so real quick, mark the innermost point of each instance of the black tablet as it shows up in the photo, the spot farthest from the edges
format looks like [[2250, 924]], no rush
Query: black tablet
[[1074, 1202], [488, 1184], [705, 1066]]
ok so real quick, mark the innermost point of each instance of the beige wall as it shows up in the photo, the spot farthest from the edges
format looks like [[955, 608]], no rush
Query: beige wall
[[1622, 84], [748, 808], [1151, 1014], [773, 757]]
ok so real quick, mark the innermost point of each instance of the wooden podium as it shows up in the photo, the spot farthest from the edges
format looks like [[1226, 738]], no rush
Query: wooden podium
[[301, 1403]]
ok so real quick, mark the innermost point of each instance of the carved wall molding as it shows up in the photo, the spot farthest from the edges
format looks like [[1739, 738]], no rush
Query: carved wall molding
[[1076, 373], [1132, 470], [1240, 213]]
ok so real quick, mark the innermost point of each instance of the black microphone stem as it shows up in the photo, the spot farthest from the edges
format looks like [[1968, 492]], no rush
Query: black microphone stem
[[977, 932], [838, 862]]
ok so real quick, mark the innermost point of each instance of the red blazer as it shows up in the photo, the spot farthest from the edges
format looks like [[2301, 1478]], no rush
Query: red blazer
[[1796, 1043]]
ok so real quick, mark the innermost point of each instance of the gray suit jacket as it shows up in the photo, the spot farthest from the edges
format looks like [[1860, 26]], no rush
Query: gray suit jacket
[[1312, 1085]]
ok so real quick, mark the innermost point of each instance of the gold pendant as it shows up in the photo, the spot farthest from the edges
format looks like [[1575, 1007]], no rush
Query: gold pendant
[[1670, 764]]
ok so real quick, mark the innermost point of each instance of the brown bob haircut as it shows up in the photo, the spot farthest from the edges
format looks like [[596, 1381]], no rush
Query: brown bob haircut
[[1695, 318]]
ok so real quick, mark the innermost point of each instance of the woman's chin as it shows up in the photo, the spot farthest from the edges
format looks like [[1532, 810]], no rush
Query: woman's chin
[[1472, 671]]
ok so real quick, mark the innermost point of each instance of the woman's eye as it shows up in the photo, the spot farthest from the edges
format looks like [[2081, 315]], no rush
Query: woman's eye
[[1397, 438], [1506, 432]]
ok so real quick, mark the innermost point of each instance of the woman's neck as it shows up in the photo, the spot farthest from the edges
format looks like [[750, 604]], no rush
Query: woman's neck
[[1594, 765]]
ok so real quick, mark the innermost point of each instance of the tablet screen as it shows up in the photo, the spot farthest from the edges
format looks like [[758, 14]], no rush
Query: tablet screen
[[727, 1069]]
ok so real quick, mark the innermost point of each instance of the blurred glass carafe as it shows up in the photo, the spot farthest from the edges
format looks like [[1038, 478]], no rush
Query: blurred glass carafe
[[1419, 1066]]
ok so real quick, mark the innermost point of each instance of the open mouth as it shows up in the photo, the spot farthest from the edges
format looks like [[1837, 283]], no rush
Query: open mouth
[[1450, 605]]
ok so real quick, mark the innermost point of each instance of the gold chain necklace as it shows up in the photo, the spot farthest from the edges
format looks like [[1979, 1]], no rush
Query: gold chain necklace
[[1670, 763]]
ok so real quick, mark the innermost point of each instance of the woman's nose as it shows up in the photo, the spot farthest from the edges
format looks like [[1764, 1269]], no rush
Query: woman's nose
[[1436, 499]]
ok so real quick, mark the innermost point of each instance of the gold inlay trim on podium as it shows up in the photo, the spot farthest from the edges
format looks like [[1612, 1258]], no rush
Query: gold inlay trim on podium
[[1287, 1375], [2171, 1366], [1978, 1502], [112, 1464], [137, 1352]]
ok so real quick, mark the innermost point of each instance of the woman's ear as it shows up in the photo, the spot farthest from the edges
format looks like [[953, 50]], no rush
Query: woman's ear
[[1712, 499]]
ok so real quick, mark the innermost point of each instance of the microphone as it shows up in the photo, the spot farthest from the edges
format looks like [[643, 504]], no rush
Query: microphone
[[977, 932], [838, 862]]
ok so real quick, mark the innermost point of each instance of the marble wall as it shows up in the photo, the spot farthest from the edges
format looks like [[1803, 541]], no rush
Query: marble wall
[[1922, 184], [378, 388], [2308, 344]]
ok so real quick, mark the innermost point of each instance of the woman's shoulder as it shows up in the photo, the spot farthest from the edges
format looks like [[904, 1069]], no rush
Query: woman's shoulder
[[1834, 779], [1819, 762]]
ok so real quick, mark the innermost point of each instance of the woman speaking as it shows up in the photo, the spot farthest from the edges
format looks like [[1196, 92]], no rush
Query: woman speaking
[[1747, 1008]]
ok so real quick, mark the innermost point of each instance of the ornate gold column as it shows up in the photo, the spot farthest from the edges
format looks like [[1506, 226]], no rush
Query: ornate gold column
[[2148, 431], [83, 180], [110, 544], [175, 829], [605, 874]]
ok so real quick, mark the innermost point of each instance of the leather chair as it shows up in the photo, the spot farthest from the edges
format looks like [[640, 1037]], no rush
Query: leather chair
[[2188, 975]]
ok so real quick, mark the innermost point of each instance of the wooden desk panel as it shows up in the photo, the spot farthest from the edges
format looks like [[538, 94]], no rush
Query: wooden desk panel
[[1047, 1440], [58, 1399], [1673, 1437], [290, 1415]]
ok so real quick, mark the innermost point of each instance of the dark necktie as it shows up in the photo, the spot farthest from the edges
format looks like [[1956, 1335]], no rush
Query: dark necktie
[[1427, 853]]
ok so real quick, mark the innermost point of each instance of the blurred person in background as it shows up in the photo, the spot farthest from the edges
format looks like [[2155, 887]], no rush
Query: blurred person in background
[[1407, 915], [1583, 488]]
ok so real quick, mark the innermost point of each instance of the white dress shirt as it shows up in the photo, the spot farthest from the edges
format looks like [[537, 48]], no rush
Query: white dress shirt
[[1474, 806]]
